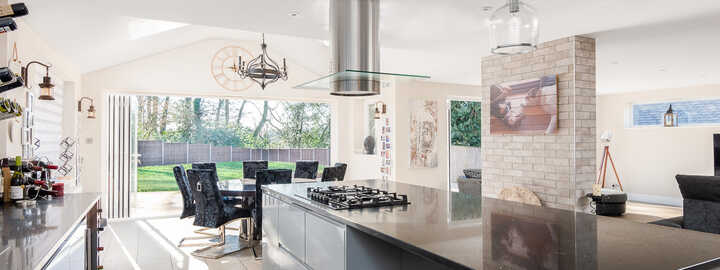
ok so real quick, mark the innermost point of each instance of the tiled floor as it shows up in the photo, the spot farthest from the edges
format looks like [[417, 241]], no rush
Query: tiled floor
[[151, 243], [156, 204]]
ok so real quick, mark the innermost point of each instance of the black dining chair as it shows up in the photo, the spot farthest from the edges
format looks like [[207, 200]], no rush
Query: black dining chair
[[329, 174], [189, 207], [251, 166], [205, 166], [340, 172], [211, 166], [265, 177], [184, 187], [211, 211], [307, 169]]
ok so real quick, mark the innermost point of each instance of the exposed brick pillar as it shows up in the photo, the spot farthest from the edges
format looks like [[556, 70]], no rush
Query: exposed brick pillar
[[560, 167]]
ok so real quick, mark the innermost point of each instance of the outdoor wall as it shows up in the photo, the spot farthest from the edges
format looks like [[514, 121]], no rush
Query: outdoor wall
[[154, 152], [559, 168], [648, 158]]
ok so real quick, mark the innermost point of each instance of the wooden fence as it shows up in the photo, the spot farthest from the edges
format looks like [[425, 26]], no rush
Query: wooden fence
[[153, 153]]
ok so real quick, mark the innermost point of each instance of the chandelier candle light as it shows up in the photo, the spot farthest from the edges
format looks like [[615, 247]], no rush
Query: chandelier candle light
[[263, 70], [513, 29]]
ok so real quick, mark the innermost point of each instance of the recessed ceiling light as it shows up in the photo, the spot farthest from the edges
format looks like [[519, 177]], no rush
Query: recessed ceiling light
[[294, 13], [487, 8]]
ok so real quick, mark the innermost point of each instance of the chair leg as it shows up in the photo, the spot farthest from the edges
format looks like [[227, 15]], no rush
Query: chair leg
[[195, 238], [219, 243], [254, 243], [227, 244], [204, 231]]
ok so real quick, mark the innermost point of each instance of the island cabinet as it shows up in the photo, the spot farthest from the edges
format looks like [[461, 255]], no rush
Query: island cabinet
[[300, 239]]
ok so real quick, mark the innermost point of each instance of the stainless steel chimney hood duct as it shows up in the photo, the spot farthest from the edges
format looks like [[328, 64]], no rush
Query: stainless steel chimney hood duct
[[355, 52], [354, 26]]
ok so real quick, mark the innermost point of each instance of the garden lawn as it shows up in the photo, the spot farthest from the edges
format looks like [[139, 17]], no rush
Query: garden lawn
[[161, 178]]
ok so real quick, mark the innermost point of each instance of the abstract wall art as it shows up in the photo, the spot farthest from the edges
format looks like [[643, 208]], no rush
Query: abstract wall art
[[524, 107], [423, 133]]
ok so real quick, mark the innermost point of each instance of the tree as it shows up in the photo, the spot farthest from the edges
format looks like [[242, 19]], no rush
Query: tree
[[198, 113], [200, 120], [465, 123], [164, 116], [263, 119], [240, 113]]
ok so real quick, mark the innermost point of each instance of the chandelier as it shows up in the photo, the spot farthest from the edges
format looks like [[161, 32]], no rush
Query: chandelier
[[513, 29], [262, 70]]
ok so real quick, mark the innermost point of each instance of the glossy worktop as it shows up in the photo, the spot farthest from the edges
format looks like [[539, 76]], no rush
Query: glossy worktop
[[467, 231], [29, 235]]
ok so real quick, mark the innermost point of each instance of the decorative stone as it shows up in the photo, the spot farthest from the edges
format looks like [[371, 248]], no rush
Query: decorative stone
[[519, 194]]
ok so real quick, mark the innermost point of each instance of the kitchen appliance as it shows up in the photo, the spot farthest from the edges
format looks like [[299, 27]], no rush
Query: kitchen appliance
[[355, 52], [354, 197]]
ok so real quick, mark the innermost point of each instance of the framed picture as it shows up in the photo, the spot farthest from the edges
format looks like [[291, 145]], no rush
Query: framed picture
[[524, 107], [423, 133]]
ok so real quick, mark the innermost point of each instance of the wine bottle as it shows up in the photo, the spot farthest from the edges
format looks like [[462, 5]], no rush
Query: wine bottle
[[17, 182], [14, 10]]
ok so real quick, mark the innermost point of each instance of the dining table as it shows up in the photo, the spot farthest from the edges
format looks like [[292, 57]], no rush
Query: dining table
[[245, 190], [245, 187]]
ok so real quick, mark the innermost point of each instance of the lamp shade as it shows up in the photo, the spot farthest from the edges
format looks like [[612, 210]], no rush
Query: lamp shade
[[91, 112], [670, 118], [46, 89], [513, 29]]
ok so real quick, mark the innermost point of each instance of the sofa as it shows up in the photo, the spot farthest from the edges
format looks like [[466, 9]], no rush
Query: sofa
[[701, 204]]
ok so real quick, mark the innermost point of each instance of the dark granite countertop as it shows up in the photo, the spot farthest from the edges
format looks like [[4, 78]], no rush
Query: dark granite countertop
[[467, 231], [30, 235]]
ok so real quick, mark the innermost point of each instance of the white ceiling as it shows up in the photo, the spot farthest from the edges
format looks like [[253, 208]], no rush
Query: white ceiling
[[94, 34]]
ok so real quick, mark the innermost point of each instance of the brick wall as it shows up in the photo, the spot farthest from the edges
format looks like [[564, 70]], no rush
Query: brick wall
[[545, 164]]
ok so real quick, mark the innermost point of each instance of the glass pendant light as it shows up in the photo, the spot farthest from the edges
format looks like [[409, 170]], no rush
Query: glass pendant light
[[513, 29]]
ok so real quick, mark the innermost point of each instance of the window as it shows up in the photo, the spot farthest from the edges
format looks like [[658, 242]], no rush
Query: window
[[690, 113]]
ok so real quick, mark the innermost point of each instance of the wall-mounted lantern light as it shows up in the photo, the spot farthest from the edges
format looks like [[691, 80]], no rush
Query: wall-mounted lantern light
[[91, 110], [670, 119], [46, 86]]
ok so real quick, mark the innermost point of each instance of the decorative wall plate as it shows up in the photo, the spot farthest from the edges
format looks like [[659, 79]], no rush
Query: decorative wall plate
[[223, 68]]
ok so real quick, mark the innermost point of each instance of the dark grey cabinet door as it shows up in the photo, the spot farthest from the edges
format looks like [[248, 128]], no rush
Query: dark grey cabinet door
[[291, 230], [325, 243]]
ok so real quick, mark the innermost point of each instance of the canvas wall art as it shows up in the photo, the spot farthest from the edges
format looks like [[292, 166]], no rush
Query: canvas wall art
[[524, 107], [423, 133]]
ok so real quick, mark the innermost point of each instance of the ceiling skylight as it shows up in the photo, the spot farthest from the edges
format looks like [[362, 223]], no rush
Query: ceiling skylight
[[140, 28]]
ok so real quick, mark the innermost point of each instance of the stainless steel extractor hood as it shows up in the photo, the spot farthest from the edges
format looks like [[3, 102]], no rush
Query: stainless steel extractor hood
[[355, 51]]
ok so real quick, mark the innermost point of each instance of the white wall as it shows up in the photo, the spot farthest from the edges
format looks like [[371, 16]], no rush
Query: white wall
[[648, 158], [405, 92], [32, 47]]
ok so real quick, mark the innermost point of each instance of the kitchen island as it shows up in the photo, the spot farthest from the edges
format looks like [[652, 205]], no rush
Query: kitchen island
[[450, 230], [31, 236]]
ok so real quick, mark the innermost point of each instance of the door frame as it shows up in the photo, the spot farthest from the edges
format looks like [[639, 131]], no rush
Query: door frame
[[448, 101]]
